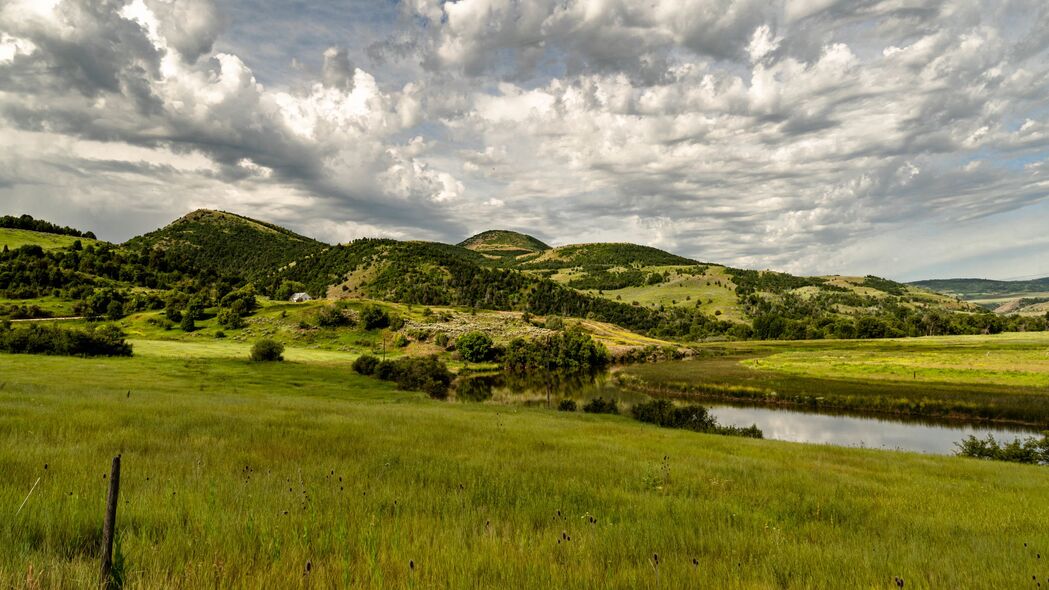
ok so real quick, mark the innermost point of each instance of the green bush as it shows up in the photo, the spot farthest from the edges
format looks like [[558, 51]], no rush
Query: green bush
[[426, 374], [400, 341], [267, 350], [689, 417], [230, 319], [104, 340], [1031, 450], [331, 316], [365, 364], [441, 340], [188, 324], [475, 347], [374, 317], [600, 405], [567, 405]]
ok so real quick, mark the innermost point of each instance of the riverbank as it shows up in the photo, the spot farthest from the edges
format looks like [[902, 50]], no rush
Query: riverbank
[[996, 379]]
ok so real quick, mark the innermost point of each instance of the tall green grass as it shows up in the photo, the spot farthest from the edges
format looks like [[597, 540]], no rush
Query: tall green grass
[[239, 475]]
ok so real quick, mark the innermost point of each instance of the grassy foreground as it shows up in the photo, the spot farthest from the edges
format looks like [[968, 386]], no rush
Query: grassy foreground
[[303, 474]]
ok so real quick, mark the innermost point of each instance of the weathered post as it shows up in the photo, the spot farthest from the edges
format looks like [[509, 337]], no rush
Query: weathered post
[[110, 525]]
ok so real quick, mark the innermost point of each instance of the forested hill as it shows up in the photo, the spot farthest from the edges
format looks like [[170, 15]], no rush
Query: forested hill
[[503, 243], [206, 256], [229, 244], [984, 288]]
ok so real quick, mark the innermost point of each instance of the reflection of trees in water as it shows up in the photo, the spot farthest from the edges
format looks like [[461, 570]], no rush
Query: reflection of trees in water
[[558, 383]]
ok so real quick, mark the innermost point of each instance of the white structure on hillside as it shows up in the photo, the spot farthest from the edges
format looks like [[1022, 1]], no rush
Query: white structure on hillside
[[300, 297]]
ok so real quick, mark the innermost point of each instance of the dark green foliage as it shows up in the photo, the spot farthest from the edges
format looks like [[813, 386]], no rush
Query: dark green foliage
[[441, 339], [426, 374], [114, 310], [27, 222], [230, 320], [884, 285], [267, 350], [374, 317], [607, 256], [751, 281], [188, 324], [331, 316], [503, 243], [570, 351], [475, 347], [226, 243], [104, 340], [1031, 450], [566, 405], [23, 312], [606, 280], [689, 417], [600, 405], [365, 364]]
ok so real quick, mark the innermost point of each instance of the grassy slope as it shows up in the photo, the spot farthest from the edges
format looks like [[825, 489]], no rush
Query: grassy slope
[[238, 475], [1003, 377], [13, 238]]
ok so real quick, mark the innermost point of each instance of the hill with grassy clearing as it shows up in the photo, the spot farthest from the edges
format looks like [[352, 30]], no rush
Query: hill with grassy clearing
[[503, 244], [229, 244]]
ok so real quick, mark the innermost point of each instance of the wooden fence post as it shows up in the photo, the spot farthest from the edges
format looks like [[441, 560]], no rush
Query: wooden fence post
[[110, 525]]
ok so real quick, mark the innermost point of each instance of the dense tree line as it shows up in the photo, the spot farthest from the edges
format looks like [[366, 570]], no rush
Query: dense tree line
[[27, 222], [569, 351], [103, 340]]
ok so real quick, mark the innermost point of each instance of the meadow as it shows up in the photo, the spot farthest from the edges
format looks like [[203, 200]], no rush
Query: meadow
[[1003, 377], [304, 474], [14, 238]]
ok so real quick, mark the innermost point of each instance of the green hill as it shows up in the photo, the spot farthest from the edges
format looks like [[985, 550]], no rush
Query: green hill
[[14, 238], [601, 255], [503, 244], [229, 244], [974, 289]]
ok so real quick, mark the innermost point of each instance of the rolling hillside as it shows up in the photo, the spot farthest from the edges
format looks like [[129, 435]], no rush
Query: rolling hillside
[[1030, 297], [15, 238], [642, 289], [230, 244]]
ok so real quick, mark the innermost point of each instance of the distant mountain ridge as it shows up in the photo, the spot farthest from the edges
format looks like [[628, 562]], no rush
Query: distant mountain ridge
[[983, 288]]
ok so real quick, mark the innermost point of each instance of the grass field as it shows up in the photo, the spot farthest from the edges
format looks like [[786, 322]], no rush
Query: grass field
[[239, 475], [1003, 377], [14, 238]]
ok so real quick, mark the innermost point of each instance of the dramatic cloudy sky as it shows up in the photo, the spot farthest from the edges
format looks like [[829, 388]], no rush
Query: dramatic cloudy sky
[[906, 138]]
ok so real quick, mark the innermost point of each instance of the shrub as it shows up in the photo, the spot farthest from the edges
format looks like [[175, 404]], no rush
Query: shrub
[[441, 340], [600, 405], [230, 319], [1031, 450], [554, 323], [365, 364], [104, 340], [267, 350], [571, 351], [689, 417], [374, 317], [400, 341], [567, 405], [475, 347], [332, 317], [188, 324], [396, 322], [426, 374]]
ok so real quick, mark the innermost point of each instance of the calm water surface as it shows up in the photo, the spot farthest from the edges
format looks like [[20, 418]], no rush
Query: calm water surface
[[867, 431]]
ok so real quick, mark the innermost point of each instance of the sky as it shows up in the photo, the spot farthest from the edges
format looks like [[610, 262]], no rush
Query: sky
[[903, 138]]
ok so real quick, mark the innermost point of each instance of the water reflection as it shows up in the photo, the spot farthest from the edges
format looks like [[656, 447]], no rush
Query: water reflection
[[869, 431]]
